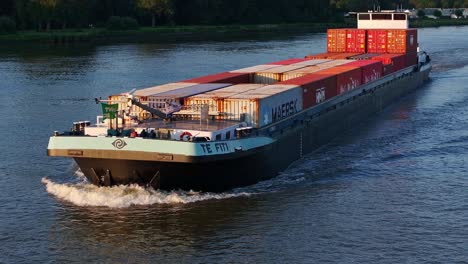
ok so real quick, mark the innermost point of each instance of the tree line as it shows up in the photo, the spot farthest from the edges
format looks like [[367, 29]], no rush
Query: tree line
[[44, 15]]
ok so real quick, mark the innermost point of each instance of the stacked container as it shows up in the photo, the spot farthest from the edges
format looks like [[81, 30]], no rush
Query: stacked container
[[336, 40], [371, 70], [311, 69], [273, 75], [144, 95], [347, 77], [224, 77], [377, 41], [333, 56], [365, 56], [215, 99], [402, 40], [391, 62], [263, 106], [356, 40], [316, 88], [288, 61]]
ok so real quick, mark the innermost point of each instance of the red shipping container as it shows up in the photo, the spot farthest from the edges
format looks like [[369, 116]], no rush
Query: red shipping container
[[402, 40], [320, 56], [392, 62], [288, 61], [398, 61], [377, 41], [344, 56], [356, 40], [371, 70], [336, 40], [331, 55], [347, 77], [366, 56], [315, 88], [411, 59], [223, 77], [387, 69]]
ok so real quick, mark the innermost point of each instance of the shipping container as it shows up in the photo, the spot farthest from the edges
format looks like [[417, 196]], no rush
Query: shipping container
[[387, 69], [336, 40], [371, 70], [397, 62], [301, 72], [143, 95], [377, 41], [411, 59], [274, 75], [402, 40], [224, 77], [356, 40], [122, 101], [347, 77], [254, 69], [215, 98], [311, 69], [316, 88], [288, 61], [178, 96], [326, 55], [162, 88], [333, 63], [344, 56], [311, 62], [332, 56], [366, 56], [263, 108]]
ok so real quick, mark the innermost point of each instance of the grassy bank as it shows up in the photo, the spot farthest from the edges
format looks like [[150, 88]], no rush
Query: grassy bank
[[143, 32], [438, 23], [79, 35]]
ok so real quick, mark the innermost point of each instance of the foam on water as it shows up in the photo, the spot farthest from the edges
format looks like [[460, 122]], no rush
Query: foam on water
[[85, 194]]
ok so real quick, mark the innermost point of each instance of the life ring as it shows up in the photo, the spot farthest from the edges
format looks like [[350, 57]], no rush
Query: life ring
[[185, 136]]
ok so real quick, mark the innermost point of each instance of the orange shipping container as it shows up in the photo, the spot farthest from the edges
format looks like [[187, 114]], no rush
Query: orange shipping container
[[356, 40], [336, 40], [377, 41], [402, 40]]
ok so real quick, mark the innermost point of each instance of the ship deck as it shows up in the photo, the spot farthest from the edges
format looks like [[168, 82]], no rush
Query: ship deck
[[211, 125]]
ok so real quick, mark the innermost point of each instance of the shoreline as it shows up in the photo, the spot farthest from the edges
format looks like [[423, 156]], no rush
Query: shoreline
[[97, 34]]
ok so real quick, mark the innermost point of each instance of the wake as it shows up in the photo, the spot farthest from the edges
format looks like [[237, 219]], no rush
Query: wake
[[86, 194]]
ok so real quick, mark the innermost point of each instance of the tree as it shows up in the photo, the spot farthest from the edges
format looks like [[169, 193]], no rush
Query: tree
[[459, 13], [423, 3], [421, 13], [49, 7], [156, 8], [437, 13]]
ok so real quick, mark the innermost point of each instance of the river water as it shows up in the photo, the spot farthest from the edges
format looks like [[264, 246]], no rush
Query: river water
[[392, 190]]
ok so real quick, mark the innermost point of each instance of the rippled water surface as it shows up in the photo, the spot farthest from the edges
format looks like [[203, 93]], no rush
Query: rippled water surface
[[392, 190]]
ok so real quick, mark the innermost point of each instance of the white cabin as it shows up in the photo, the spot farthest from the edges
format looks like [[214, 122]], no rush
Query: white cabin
[[383, 20]]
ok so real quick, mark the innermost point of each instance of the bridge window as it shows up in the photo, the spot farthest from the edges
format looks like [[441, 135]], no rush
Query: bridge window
[[364, 17], [381, 16], [399, 17], [218, 137], [228, 135]]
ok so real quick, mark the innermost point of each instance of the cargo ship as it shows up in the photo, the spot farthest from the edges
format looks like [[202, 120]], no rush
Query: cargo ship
[[231, 129]]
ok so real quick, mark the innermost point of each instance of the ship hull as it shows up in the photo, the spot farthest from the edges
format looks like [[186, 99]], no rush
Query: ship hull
[[288, 144]]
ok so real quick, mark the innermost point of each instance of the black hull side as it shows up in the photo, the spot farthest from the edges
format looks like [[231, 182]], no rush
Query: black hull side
[[290, 145]]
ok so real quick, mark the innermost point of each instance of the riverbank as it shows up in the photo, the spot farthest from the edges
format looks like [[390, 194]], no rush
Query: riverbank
[[424, 23], [91, 34], [72, 35]]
